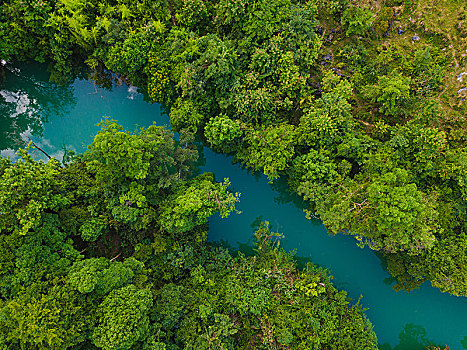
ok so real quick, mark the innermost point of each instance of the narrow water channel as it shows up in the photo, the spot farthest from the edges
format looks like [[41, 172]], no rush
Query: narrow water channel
[[65, 117]]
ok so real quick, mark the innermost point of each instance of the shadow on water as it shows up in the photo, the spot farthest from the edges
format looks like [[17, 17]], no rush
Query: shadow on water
[[285, 195], [202, 161], [412, 337], [389, 281], [105, 79], [247, 248], [197, 168]]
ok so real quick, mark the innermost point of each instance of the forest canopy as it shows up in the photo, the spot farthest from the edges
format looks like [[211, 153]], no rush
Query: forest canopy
[[108, 251], [360, 105]]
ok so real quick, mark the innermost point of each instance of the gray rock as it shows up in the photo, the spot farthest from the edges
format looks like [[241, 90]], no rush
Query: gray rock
[[460, 77]]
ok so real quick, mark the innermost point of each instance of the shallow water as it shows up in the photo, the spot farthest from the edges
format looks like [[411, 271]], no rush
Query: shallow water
[[65, 117]]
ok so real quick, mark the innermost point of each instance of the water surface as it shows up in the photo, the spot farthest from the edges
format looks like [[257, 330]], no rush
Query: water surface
[[65, 117]]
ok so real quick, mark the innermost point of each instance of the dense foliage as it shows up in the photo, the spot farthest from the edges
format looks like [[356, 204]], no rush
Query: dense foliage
[[108, 251], [359, 103]]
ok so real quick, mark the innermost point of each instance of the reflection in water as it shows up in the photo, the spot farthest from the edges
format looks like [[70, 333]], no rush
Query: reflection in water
[[390, 280], [412, 337], [246, 247], [28, 101], [284, 195]]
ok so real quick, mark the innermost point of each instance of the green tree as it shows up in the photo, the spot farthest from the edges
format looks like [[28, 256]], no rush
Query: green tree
[[419, 146], [313, 175], [193, 203], [185, 114], [390, 214], [130, 57], [133, 168], [193, 14], [266, 289], [211, 73], [265, 19], [357, 20], [49, 318], [326, 123], [26, 259], [101, 275], [230, 15], [255, 106], [269, 149], [221, 132], [123, 318], [391, 93], [24, 35], [28, 189]]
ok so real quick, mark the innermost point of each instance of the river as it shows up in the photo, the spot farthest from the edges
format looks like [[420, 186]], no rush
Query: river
[[65, 117]]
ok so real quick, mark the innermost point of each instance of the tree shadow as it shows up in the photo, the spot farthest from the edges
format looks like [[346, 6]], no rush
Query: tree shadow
[[285, 195], [412, 337], [464, 342]]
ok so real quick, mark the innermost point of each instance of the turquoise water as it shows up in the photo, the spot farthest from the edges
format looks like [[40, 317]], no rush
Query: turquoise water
[[64, 117], [56, 118]]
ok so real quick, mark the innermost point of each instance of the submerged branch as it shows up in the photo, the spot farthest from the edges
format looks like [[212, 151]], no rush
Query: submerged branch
[[40, 149]]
